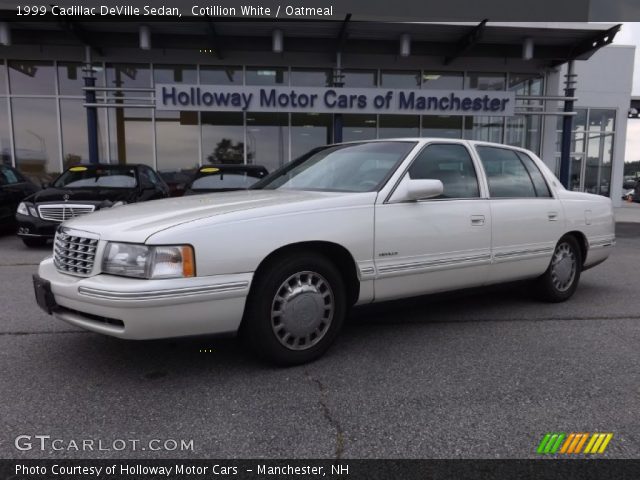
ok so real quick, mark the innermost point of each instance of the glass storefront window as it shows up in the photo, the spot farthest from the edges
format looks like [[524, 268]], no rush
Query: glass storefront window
[[578, 121], [524, 131], [484, 128], [485, 81], [268, 139], [577, 142], [129, 75], [5, 141], [222, 137], [267, 76], [309, 130], [75, 143], [526, 83], [441, 126], [175, 74], [602, 119], [400, 79], [35, 131], [360, 78], [131, 135], [71, 77], [442, 80], [311, 77], [398, 126], [3, 78], [177, 140], [597, 175], [31, 77], [210, 75], [358, 127]]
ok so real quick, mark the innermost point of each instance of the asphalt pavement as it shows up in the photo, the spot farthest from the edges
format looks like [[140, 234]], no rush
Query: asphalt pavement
[[481, 374]]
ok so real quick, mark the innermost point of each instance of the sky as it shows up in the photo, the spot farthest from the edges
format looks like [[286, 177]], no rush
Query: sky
[[630, 35]]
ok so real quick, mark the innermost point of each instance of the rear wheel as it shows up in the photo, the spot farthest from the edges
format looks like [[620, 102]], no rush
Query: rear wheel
[[34, 242], [295, 310], [561, 279]]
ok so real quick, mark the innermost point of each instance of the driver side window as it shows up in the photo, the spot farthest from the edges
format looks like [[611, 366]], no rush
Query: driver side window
[[452, 165]]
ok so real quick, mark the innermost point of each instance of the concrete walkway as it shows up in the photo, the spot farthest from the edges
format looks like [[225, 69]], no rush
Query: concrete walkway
[[628, 212]]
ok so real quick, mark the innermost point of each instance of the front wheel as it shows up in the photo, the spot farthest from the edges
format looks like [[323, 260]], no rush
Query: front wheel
[[561, 279], [295, 310]]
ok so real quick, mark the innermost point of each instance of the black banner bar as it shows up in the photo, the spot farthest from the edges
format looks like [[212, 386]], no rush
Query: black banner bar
[[369, 10], [547, 469]]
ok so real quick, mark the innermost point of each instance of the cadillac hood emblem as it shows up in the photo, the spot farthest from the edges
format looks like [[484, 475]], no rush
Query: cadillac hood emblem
[[65, 197]]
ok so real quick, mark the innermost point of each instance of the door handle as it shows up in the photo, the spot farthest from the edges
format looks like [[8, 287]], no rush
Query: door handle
[[552, 216], [477, 220]]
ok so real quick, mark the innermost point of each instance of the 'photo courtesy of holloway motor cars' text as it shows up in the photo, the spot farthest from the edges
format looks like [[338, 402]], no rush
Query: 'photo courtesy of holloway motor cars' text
[[342, 240]]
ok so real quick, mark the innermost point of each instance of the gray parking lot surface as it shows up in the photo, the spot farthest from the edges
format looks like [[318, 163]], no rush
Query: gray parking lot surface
[[482, 374]]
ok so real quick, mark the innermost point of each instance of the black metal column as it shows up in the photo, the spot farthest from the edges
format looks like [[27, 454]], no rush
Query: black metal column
[[567, 128], [92, 115]]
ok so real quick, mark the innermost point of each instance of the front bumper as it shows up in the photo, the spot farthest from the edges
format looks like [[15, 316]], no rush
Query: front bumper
[[29, 226], [146, 309]]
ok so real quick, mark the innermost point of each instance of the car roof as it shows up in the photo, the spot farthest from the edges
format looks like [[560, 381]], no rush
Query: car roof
[[430, 139]]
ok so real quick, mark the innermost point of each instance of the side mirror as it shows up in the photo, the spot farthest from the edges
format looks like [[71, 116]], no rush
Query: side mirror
[[413, 190]]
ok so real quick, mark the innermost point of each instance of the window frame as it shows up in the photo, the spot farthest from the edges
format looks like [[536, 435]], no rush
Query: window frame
[[516, 151], [474, 163]]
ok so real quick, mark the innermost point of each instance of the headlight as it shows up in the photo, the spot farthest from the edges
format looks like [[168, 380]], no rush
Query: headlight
[[22, 209], [33, 211], [142, 261]]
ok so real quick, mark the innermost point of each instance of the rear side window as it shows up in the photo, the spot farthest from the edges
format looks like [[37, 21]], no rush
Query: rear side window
[[506, 173], [452, 165], [539, 183]]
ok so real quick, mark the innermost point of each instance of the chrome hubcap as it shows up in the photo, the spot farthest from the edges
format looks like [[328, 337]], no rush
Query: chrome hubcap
[[302, 310], [563, 267]]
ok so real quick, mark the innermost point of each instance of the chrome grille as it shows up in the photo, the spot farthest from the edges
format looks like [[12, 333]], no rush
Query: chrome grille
[[60, 213], [74, 254]]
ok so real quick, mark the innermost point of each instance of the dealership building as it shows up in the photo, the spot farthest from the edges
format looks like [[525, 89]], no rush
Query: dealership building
[[179, 94]]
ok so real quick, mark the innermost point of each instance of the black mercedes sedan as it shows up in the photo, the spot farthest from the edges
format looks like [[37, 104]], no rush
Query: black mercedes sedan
[[224, 178], [82, 189], [14, 187]]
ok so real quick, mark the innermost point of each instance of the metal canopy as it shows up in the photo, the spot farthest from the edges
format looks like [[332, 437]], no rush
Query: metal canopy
[[554, 43]]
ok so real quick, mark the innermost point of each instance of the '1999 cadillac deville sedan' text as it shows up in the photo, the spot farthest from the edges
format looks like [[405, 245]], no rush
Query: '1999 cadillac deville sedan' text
[[345, 224]]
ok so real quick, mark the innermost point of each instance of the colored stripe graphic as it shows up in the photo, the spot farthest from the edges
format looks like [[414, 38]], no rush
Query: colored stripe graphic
[[573, 443]]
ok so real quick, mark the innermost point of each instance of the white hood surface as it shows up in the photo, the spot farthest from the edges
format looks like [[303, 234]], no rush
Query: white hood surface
[[136, 222]]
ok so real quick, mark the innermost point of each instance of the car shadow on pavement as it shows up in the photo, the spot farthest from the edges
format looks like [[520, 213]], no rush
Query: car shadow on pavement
[[158, 360]]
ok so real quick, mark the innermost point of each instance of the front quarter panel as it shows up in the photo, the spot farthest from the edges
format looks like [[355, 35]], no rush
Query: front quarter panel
[[237, 243]]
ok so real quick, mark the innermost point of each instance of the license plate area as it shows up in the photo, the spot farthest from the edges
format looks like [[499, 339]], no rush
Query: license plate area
[[44, 296]]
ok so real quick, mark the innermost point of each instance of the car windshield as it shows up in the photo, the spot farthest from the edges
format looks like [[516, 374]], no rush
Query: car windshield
[[97, 177], [220, 180], [360, 167]]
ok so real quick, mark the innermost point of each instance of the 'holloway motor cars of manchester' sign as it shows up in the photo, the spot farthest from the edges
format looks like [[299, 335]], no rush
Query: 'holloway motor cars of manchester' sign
[[333, 100]]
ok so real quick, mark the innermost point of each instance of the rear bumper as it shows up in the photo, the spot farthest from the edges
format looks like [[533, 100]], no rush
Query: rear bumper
[[147, 309], [29, 226]]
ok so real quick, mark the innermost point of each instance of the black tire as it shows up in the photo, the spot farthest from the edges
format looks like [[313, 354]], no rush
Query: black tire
[[557, 286], [34, 242], [265, 330]]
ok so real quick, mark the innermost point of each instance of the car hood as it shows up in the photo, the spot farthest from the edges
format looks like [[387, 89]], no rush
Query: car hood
[[94, 196], [135, 223]]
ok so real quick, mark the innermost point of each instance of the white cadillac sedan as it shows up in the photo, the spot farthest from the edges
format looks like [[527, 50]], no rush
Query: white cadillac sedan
[[344, 225]]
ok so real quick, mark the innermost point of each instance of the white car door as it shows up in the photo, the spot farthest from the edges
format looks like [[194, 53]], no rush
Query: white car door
[[527, 221], [434, 244]]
